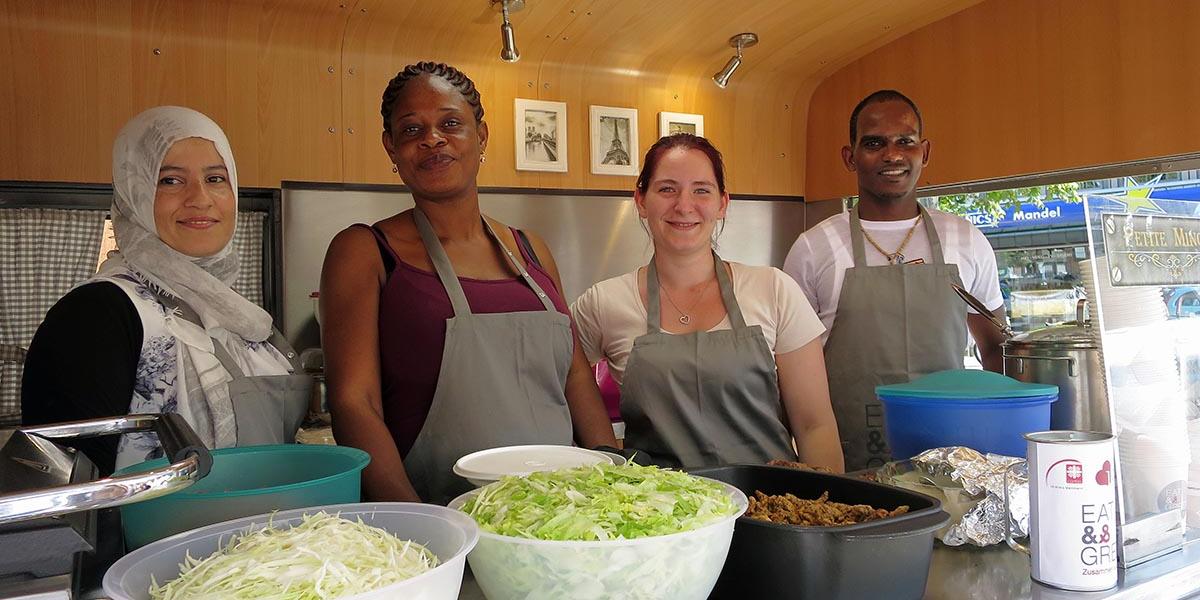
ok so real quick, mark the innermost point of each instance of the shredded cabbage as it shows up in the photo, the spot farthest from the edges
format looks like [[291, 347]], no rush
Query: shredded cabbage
[[599, 502], [323, 557]]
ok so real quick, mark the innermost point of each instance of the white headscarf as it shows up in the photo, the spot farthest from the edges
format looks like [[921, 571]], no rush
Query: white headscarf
[[201, 283]]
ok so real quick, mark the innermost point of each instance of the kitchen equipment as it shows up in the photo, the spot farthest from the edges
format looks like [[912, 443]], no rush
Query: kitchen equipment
[[888, 558], [312, 361], [1072, 510], [447, 533], [1066, 355], [982, 309], [1069, 357], [680, 566], [978, 409], [248, 481], [49, 494], [486, 466]]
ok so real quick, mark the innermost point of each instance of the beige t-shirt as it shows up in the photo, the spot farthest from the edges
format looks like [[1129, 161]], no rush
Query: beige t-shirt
[[610, 314]]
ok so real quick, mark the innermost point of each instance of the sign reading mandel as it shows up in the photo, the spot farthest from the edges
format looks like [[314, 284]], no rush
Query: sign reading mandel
[[1151, 249]]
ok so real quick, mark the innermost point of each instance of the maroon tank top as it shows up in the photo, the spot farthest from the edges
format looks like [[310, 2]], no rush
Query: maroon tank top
[[413, 308]]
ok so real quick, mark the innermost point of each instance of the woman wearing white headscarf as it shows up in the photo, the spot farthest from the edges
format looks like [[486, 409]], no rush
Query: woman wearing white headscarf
[[158, 328]]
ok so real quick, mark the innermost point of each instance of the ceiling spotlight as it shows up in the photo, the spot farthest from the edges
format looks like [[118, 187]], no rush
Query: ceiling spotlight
[[739, 41], [508, 53]]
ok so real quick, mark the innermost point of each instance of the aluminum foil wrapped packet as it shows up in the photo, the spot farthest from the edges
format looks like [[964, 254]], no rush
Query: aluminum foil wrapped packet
[[971, 486]]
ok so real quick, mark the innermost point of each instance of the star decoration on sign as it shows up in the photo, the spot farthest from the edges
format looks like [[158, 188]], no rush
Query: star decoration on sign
[[1139, 200]]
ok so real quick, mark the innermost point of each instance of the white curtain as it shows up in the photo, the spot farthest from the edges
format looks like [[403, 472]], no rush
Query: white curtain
[[43, 252]]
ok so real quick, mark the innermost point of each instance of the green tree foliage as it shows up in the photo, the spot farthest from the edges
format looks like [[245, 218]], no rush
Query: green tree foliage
[[996, 201]]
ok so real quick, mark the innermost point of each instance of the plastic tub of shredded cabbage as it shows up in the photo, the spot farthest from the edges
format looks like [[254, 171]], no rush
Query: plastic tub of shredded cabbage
[[370, 551], [599, 532]]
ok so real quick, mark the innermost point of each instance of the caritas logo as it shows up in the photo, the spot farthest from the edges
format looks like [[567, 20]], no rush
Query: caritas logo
[[1065, 474]]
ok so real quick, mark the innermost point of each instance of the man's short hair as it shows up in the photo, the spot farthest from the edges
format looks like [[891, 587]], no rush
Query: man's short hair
[[881, 96]]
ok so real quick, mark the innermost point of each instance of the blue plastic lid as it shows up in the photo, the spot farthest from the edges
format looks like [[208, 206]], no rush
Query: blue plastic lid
[[966, 384]]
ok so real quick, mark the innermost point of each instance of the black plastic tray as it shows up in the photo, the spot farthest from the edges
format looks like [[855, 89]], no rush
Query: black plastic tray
[[888, 558]]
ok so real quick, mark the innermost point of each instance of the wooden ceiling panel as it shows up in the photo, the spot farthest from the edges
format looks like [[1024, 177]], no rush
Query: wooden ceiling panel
[[262, 68], [653, 56]]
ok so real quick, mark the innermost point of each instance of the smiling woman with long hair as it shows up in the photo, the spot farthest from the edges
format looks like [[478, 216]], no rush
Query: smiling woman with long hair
[[444, 330], [719, 362], [159, 329]]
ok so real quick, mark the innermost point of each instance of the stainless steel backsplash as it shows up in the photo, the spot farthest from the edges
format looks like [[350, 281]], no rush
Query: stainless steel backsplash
[[592, 237]]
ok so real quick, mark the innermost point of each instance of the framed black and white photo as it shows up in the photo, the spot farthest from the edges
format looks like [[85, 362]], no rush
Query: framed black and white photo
[[614, 141], [541, 135], [672, 122]]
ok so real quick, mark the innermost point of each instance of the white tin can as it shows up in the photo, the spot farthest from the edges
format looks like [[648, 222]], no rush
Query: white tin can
[[1072, 510]]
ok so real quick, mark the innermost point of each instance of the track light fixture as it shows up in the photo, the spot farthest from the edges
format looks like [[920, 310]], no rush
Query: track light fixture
[[740, 42], [508, 50]]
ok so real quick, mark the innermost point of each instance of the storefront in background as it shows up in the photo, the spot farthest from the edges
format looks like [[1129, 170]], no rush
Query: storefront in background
[[1038, 249]]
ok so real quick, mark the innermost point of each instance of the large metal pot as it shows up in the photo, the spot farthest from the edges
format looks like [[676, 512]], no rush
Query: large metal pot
[[1068, 356]]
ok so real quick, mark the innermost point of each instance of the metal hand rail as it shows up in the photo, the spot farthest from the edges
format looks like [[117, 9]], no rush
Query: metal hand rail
[[191, 461]]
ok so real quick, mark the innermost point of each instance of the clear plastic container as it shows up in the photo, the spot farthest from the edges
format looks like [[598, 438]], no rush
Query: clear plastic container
[[679, 566], [447, 533]]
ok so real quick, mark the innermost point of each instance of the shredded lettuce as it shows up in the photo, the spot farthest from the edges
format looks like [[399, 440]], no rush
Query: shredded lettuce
[[323, 557], [600, 502], [597, 513]]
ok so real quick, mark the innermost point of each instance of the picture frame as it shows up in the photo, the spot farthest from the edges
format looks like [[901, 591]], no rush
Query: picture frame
[[614, 140], [673, 122], [541, 135]]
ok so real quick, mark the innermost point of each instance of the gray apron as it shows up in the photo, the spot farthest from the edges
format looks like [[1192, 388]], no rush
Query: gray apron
[[267, 409], [704, 398], [501, 382], [894, 323]]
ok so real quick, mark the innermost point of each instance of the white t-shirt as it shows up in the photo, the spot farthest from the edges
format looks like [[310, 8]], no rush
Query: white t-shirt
[[819, 258], [610, 314]]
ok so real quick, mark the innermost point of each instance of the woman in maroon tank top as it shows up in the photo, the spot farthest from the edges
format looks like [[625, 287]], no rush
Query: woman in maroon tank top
[[399, 385]]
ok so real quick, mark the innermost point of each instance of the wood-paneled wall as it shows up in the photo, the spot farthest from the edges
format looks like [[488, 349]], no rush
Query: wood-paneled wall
[[1011, 87], [296, 83], [80, 69]]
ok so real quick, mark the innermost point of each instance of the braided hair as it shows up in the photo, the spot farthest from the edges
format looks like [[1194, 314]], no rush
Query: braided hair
[[453, 76]]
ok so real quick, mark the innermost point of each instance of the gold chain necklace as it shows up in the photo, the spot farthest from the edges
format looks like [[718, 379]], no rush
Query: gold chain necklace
[[897, 257], [684, 319]]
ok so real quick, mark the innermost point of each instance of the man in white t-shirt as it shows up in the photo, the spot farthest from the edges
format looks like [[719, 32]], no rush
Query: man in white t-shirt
[[880, 277]]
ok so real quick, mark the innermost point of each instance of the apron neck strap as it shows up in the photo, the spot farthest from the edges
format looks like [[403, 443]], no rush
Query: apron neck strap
[[286, 349], [227, 360], [736, 321], [654, 308], [441, 263], [935, 243], [521, 270], [277, 340], [856, 238], [860, 253], [449, 279]]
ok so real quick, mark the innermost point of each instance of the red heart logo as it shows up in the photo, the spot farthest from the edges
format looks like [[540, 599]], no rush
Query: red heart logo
[[1102, 474]]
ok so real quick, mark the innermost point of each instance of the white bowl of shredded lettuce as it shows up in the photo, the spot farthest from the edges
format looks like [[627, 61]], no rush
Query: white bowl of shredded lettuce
[[370, 551], [600, 532]]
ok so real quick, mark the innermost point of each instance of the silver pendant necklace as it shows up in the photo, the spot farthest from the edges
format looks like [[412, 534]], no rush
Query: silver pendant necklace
[[684, 318]]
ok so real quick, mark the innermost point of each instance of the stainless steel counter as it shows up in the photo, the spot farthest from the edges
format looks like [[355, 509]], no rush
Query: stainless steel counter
[[998, 573]]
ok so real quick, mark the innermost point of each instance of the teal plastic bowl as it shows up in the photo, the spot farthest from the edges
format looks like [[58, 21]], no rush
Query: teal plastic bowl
[[247, 481]]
